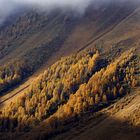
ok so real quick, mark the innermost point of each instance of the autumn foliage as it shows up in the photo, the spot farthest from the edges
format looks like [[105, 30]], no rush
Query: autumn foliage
[[69, 88]]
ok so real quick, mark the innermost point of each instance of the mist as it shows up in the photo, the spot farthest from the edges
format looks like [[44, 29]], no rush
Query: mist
[[8, 7]]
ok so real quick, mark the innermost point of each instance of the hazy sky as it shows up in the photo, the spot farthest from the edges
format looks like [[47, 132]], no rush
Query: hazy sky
[[9, 6]]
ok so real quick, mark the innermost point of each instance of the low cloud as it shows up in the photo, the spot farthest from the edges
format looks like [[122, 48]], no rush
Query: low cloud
[[9, 6]]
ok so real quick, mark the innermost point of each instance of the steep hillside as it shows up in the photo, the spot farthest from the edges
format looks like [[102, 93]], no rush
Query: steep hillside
[[37, 38], [119, 121], [69, 76], [124, 36], [48, 103]]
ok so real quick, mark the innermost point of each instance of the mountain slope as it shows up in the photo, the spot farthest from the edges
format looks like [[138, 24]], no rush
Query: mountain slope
[[35, 38], [58, 89], [111, 123], [125, 35], [86, 92]]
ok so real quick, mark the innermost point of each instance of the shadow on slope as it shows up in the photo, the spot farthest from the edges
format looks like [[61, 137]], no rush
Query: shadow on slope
[[97, 126]]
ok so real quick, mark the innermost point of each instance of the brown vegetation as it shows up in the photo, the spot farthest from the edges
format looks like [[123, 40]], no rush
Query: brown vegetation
[[51, 90], [65, 91], [13, 73]]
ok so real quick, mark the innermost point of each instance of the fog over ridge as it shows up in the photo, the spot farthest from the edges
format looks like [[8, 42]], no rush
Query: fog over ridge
[[8, 6]]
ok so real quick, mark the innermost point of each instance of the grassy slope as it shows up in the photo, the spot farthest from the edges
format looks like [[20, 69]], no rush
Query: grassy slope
[[125, 35], [111, 123]]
